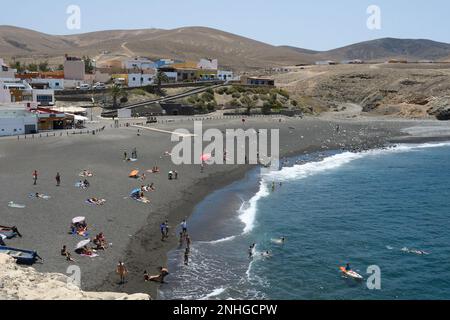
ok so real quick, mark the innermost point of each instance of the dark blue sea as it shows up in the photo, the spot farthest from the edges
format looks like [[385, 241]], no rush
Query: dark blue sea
[[385, 208]]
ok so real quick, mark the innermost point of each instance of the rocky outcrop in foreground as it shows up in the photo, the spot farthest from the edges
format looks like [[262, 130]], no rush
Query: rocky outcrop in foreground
[[20, 283]]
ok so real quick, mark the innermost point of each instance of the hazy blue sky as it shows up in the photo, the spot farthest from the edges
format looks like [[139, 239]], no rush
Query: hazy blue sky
[[316, 24]]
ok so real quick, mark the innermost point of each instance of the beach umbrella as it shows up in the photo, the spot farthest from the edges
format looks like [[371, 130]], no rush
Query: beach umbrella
[[134, 173], [135, 191], [205, 157], [78, 219], [82, 244]]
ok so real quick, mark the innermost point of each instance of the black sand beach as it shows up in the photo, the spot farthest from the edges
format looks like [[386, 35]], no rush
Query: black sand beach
[[131, 227]]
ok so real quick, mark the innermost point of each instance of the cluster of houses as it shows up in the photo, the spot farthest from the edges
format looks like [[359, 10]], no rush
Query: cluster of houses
[[27, 99], [141, 72]]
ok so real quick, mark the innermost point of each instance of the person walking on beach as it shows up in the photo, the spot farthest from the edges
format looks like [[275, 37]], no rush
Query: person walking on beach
[[163, 231], [121, 271], [35, 177], [58, 179], [125, 156], [166, 229], [184, 227], [188, 242], [181, 239]]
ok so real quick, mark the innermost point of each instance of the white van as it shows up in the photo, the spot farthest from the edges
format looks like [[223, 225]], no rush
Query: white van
[[84, 86]]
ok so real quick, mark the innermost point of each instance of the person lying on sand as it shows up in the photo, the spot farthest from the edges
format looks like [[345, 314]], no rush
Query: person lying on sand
[[85, 251], [163, 272], [155, 170], [86, 174], [148, 188], [100, 242], [96, 201]]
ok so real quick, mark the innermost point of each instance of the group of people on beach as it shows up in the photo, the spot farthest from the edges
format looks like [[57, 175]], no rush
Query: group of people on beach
[[35, 176], [134, 155]]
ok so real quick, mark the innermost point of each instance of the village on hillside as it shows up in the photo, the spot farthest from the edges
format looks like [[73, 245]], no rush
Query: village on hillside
[[37, 98]]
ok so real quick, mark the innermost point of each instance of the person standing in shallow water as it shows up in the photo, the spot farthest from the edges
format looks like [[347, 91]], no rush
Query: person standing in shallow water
[[186, 257]]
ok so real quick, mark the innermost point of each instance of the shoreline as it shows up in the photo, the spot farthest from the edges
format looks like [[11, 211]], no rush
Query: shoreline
[[289, 156], [216, 182], [132, 227]]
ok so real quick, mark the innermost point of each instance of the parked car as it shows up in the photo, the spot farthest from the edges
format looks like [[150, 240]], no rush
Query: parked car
[[99, 86], [84, 86]]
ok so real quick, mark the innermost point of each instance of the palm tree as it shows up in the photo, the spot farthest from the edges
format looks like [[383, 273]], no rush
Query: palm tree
[[116, 91], [161, 77]]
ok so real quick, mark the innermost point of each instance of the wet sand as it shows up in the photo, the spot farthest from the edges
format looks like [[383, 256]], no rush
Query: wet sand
[[132, 227]]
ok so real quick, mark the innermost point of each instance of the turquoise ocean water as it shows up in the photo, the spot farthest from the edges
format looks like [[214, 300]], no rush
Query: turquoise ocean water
[[386, 208]]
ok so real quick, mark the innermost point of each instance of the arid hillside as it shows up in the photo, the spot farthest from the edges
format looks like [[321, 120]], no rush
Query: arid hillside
[[191, 43], [412, 90]]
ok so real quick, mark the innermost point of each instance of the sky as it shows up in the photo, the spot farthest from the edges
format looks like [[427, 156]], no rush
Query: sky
[[314, 24]]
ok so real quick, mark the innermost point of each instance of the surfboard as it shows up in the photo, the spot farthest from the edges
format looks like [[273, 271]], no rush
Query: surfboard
[[351, 274]]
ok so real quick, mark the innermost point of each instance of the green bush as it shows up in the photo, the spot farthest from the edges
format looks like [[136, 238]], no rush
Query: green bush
[[235, 103], [236, 95], [267, 108]]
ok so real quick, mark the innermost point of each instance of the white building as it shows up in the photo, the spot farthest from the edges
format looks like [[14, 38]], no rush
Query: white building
[[226, 75], [16, 120], [44, 97], [54, 84], [208, 64], [140, 79], [139, 64]]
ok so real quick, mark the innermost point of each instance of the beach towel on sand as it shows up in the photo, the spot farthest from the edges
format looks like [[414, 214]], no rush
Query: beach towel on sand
[[99, 202], [39, 196], [16, 205]]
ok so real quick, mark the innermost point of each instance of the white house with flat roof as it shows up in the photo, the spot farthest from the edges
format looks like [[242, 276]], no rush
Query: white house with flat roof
[[17, 120], [226, 75], [140, 79], [54, 84], [44, 97]]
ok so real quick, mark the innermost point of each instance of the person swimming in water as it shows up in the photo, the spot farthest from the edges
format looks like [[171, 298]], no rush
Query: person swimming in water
[[251, 250]]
